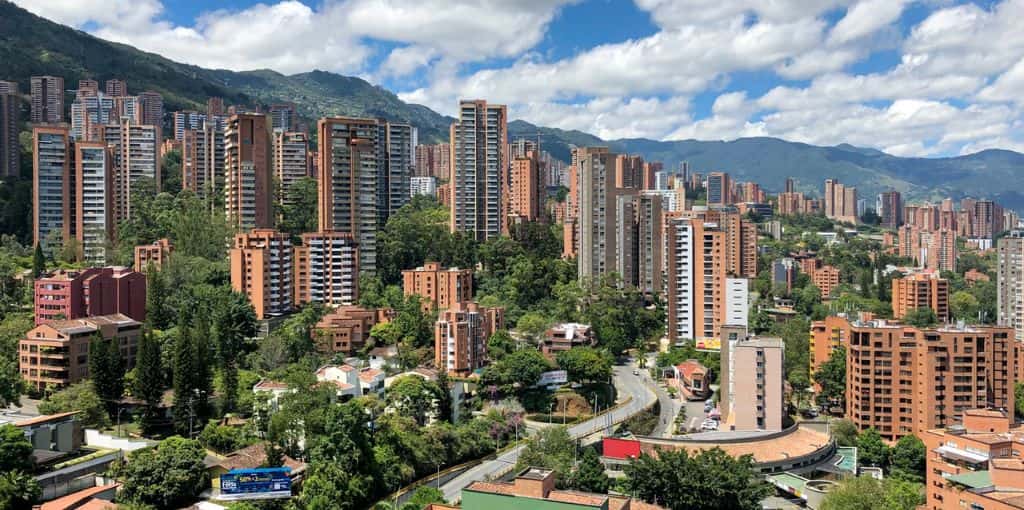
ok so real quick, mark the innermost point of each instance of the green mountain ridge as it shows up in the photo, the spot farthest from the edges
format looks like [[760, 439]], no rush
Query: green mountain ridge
[[30, 45]]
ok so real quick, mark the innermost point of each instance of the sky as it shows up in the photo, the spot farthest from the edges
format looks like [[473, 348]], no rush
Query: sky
[[912, 78]]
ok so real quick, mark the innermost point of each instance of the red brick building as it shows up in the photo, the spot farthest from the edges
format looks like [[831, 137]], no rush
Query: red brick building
[[90, 292]]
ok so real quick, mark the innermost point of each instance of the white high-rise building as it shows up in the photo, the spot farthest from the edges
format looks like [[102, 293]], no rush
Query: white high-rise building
[[1010, 282], [737, 306], [399, 159], [88, 113], [52, 160], [95, 214], [423, 186]]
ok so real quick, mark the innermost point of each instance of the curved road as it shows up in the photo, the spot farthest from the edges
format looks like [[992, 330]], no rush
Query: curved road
[[627, 384]]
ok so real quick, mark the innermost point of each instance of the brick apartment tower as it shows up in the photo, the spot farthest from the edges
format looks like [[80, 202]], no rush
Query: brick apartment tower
[[460, 337], [440, 288], [10, 147], [93, 291], [249, 180], [261, 268], [719, 189], [290, 160], [327, 269], [53, 184], [920, 291], [526, 189], [47, 99], [479, 166], [1010, 282]]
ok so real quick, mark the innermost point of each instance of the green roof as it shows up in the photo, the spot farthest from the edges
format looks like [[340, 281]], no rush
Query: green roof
[[848, 460], [972, 479], [789, 480]]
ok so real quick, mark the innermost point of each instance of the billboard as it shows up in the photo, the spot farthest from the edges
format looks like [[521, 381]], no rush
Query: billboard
[[262, 483], [552, 378]]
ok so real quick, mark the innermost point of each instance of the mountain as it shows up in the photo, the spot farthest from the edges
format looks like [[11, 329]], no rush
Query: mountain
[[30, 45]]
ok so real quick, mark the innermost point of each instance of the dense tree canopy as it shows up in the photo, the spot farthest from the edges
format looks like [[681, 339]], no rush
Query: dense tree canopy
[[168, 476], [712, 479]]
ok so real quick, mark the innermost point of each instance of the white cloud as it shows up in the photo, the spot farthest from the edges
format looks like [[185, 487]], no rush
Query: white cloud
[[866, 18]]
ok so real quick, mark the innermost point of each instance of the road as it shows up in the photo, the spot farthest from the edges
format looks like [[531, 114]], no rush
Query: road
[[627, 385]]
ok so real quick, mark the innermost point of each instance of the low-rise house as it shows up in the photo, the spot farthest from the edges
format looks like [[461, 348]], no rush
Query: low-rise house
[[347, 328], [350, 381], [692, 379], [565, 336]]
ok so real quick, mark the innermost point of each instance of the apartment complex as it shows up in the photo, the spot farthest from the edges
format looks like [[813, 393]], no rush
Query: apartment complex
[[90, 292], [423, 186], [703, 250], [94, 207], [719, 188], [283, 117], [346, 329], [136, 159], [826, 279], [440, 288], [396, 144], [1010, 282], [526, 191], [10, 147], [433, 161], [151, 105], [47, 100], [840, 201], [156, 253], [975, 464], [261, 268], [752, 382], [904, 380], [479, 161], [596, 196], [53, 185], [327, 268], [460, 336], [291, 150], [56, 354], [562, 337], [889, 208], [248, 172], [929, 248], [640, 241], [202, 161], [186, 120], [920, 290]]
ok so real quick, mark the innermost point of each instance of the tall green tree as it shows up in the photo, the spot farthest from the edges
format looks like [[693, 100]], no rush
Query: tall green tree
[[907, 459], [871, 450], [18, 489], [149, 381], [712, 479], [169, 476], [38, 261], [867, 493], [551, 448], [299, 213], [844, 431], [921, 317], [589, 475], [15, 449], [158, 314], [81, 397], [586, 364], [414, 396], [106, 369], [191, 375], [831, 376], [234, 323]]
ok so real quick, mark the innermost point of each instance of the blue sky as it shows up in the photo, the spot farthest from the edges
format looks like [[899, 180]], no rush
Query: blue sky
[[920, 78]]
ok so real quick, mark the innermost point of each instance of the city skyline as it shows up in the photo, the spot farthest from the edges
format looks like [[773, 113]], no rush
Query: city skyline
[[922, 75]]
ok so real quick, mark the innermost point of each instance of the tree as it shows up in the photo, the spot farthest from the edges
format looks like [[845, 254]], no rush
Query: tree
[[414, 396], [171, 475], [234, 322], [158, 314], [533, 326], [38, 261], [18, 489], [299, 213], [500, 345], [921, 317], [831, 376], [1018, 398], [867, 493], [907, 459], [589, 475], [871, 450], [170, 171], [845, 432], [424, 496], [15, 449], [190, 374], [80, 397], [106, 370], [711, 479], [964, 306], [585, 364], [332, 486], [148, 385], [550, 448], [521, 369]]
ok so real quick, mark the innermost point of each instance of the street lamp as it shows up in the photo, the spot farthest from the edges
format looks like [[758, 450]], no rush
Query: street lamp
[[119, 411]]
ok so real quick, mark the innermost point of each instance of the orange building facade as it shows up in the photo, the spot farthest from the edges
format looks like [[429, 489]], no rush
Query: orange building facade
[[261, 268], [440, 288], [920, 291], [460, 336]]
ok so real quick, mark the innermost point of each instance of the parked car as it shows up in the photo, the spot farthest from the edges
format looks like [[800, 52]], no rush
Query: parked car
[[709, 425]]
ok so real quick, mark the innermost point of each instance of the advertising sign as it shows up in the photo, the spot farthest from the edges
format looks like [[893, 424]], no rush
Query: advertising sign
[[263, 483], [553, 378]]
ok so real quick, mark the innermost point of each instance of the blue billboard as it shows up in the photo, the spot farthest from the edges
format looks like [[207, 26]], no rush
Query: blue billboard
[[262, 483]]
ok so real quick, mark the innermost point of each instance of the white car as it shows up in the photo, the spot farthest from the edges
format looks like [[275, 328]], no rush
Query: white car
[[709, 425]]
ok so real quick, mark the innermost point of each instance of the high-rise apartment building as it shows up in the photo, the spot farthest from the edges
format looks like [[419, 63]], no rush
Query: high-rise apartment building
[[920, 290], [1010, 282], [479, 161], [423, 186], [8, 87], [890, 209], [396, 144], [840, 201], [187, 119], [87, 88], [94, 214], [753, 383], [526, 189], [261, 268], [127, 107], [156, 254], [116, 88], [826, 279], [439, 287], [640, 255], [89, 292], [597, 197], [249, 180], [202, 161], [460, 336], [942, 251], [152, 106], [719, 189], [89, 113], [283, 117], [10, 148], [348, 182], [433, 161], [47, 99], [214, 106], [53, 185], [327, 269], [290, 161], [903, 380], [136, 160]]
